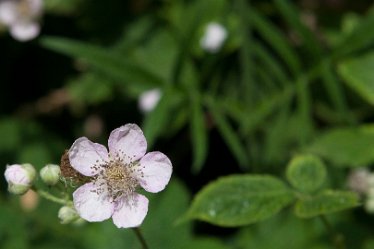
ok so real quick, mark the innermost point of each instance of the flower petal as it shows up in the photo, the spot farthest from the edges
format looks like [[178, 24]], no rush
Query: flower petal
[[90, 205], [130, 211], [87, 157], [8, 12], [154, 171], [24, 31], [128, 142]]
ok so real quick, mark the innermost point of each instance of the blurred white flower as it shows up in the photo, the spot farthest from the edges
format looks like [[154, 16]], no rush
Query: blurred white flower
[[214, 36], [149, 99], [358, 180], [20, 16]]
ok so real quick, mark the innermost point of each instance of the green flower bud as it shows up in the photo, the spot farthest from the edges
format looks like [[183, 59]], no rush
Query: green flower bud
[[67, 215], [20, 178], [50, 174]]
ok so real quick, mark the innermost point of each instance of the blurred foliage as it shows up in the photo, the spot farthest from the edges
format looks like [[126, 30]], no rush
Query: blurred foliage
[[292, 78]]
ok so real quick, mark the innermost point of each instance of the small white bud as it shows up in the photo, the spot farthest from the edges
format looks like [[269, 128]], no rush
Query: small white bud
[[148, 100], [19, 177], [214, 37], [50, 174], [67, 215]]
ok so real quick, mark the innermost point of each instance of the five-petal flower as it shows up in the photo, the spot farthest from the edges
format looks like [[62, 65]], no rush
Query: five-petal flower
[[117, 175]]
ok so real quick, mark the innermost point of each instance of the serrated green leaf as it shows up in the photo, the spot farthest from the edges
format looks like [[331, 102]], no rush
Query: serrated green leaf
[[358, 73], [240, 200], [306, 173], [349, 147], [328, 202]]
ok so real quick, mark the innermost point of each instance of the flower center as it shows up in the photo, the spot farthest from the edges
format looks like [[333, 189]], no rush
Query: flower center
[[117, 179], [24, 8]]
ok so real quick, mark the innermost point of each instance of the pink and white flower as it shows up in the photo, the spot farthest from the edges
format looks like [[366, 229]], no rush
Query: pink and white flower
[[116, 175], [20, 16]]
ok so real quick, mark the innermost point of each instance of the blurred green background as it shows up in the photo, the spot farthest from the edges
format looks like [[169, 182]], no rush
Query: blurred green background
[[290, 77]]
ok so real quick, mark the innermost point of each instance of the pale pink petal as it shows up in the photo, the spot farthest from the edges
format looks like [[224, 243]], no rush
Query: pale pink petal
[[16, 174], [35, 7], [8, 12], [87, 157], [24, 31], [90, 205], [128, 142], [131, 211], [154, 171]]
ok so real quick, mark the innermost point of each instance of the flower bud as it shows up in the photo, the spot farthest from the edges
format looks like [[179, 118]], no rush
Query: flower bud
[[67, 215], [214, 37], [50, 174], [148, 100], [19, 177]]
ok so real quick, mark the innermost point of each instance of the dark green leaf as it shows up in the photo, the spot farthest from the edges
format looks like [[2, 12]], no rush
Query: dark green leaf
[[276, 39], [199, 136], [358, 39], [232, 139], [240, 200], [328, 202], [106, 60], [358, 73], [350, 147]]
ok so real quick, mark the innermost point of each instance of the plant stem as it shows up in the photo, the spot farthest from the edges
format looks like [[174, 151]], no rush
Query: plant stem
[[337, 238], [51, 197], [140, 237]]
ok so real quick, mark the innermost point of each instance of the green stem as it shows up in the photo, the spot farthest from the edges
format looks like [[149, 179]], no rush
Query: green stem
[[337, 238], [51, 197], [140, 237]]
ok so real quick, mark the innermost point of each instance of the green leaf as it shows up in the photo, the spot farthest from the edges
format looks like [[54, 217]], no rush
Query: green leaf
[[276, 39], [358, 39], [349, 147], [292, 16], [106, 60], [90, 88], [328, 202], [229, 135], [306, 173], [358, 73], [240, 200], [199, 136]]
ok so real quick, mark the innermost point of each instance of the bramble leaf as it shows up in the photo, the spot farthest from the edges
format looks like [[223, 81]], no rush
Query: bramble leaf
[[240, 200]]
